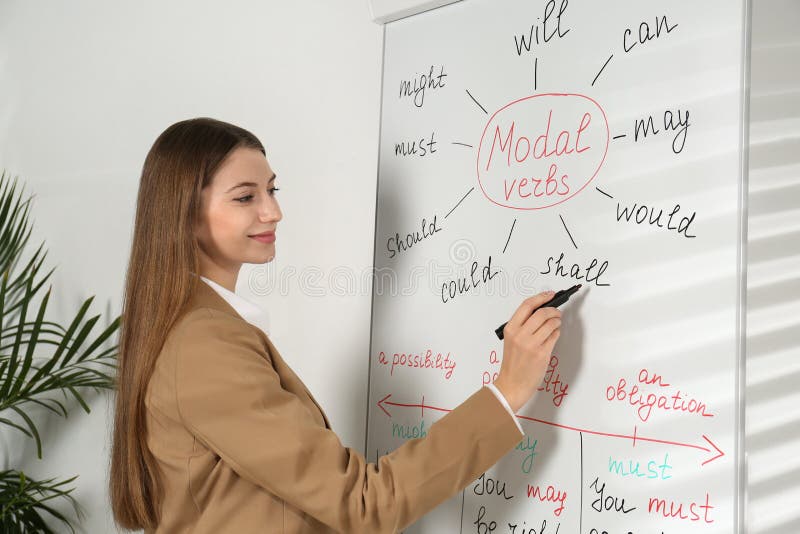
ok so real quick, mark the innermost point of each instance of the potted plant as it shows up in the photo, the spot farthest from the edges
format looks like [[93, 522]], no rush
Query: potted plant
[[76, 360]]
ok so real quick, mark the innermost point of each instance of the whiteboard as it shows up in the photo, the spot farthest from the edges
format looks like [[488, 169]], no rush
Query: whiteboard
[[527, 146]]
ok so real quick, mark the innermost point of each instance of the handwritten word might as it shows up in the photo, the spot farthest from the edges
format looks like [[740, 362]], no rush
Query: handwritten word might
[[575, 271], [644, 402], [549, 494], [415, 87], [641, 213], [463, 285], [534, 35], [426, 360], [397, 244], [672, 122], [420, 148], [552, 382]]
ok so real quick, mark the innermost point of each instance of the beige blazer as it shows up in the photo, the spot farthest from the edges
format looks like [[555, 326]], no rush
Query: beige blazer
[[243, 447]]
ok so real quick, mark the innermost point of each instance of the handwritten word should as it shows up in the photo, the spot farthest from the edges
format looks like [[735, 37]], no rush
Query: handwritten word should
[[641, 213], [676, 510], [604, 503], [654, 469], [426, 360], [552, 382], [549, 494], [463, 285], [415, 87], [644, 402], [543, 32], [397, 244], [646, 33], [420, 148], [575, 271]]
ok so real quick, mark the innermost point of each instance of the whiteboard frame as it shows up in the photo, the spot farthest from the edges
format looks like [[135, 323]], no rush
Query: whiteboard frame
[[387, 11]]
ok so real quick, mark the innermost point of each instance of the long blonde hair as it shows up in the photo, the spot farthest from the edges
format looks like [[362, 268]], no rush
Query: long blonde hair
[[158, 285]]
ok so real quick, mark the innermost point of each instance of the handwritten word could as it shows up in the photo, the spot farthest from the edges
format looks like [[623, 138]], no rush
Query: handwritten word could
[[463, 285], [678, 124], [397, 244], [416, 86], [575, 272], [549, 494], [534, 36], [641, 213], [552, 382], [420, 148], [654, 470], [676, 510], [644, 402], [646, 33], [426, 360]]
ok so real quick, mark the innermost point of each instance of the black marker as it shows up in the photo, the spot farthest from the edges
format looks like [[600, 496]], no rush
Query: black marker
[[558, 299]]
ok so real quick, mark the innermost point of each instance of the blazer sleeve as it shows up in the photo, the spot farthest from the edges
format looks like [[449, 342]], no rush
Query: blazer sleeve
[[230, 397]]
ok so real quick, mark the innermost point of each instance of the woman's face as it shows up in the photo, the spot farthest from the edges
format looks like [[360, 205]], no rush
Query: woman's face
[[238, 204]]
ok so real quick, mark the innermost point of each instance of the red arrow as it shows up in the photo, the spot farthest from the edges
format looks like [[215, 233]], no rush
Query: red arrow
[[633, 437]]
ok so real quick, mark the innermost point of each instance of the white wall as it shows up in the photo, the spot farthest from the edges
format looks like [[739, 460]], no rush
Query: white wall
[[85, 88], [773, 344]]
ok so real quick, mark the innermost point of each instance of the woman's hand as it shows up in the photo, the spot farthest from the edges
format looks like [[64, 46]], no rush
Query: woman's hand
[[528, 342]]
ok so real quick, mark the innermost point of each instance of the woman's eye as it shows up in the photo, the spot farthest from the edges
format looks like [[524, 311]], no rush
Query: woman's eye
[[272, 191], [244, 199]]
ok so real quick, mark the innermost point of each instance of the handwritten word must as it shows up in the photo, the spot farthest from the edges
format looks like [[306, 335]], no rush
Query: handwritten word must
[[677, 511], [398, 244], [463, 285], [426, 360], [654, 469], [421, 148], [575, 271], [415, 87], [543, 32], [641, 214]]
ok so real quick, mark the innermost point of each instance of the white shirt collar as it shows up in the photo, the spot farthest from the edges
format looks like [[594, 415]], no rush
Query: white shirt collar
[[249, 311]]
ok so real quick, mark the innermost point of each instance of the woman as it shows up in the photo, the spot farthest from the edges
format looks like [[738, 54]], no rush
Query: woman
[[213, 432]]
